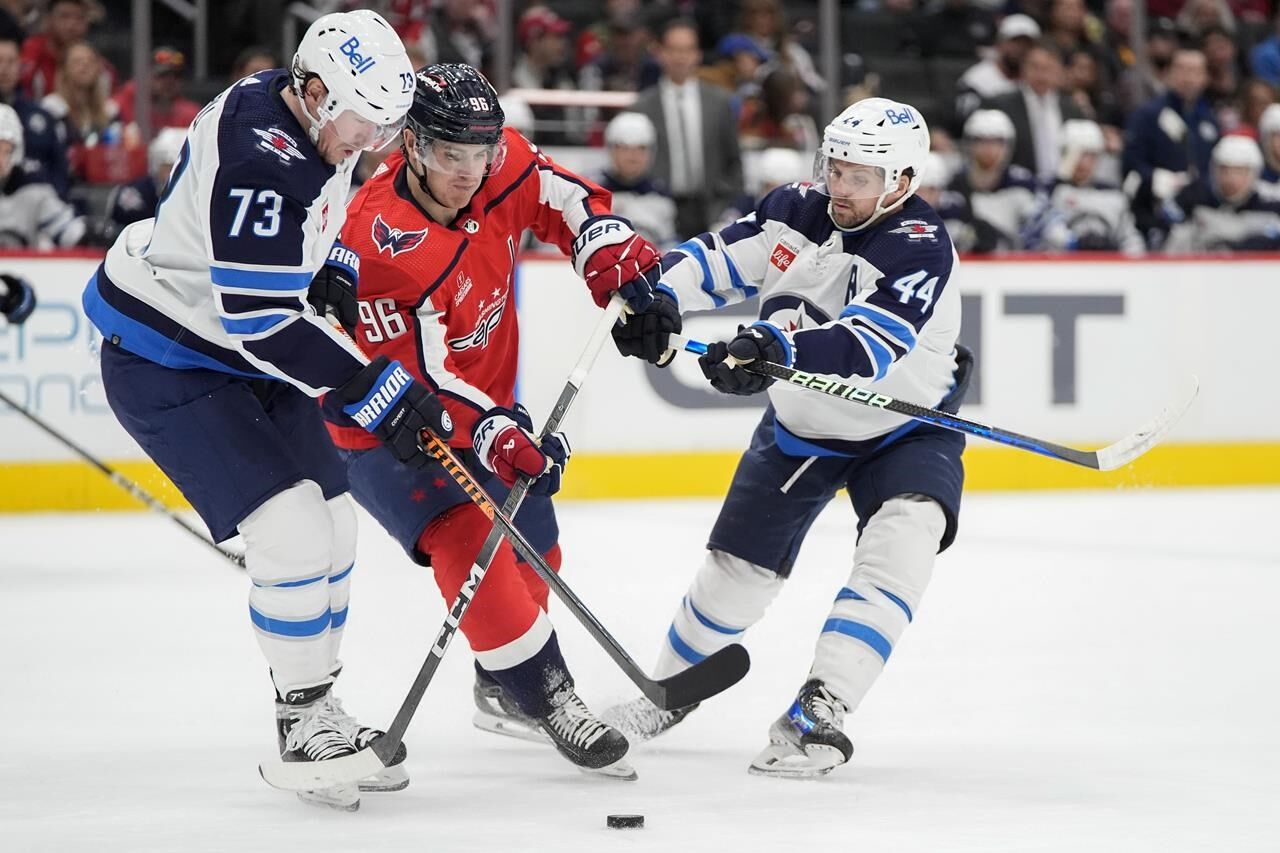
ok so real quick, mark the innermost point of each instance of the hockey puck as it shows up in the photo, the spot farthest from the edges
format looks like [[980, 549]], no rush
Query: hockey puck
[[625, 821]]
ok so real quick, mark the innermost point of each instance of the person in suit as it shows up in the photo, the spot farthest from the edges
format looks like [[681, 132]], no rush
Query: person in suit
[[697, 154], [1038, 108]]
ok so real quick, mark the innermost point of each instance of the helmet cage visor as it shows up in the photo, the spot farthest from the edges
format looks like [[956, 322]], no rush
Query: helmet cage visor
[[460, 159], [842, 180], [354, 130]]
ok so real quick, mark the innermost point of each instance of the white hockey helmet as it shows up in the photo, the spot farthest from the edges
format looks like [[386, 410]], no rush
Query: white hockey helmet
[[1270, 121], [889, 135], [778, 166], [11, 131], [363, 64], [937, 173], [989, 124], [1238, 151], [165, 148], [1079, 137], [630, 129]]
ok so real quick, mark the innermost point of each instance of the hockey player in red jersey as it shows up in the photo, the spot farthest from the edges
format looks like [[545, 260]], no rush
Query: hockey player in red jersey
[[437, 229]]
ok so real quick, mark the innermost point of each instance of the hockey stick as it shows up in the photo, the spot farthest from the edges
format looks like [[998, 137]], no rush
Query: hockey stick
[[1108, 458], [122, 481]]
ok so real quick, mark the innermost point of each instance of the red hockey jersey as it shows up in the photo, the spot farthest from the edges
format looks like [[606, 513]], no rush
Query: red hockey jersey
[[439, 298]]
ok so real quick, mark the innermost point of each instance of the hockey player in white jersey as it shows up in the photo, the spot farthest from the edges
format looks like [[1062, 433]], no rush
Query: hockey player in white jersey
[[1269, 142], [1002, 196], [1225, 212], [854, 279], [32, 215], [215, 346], [1080, 213]]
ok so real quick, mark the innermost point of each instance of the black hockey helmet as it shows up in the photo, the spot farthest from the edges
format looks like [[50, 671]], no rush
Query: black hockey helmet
[[455, 103]]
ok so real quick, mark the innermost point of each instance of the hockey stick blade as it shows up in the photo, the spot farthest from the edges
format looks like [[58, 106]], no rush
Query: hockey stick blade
[[1129, 448], [318, 775], [715, 674]]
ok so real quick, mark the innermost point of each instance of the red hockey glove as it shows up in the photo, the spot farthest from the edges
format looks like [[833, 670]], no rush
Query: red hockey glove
[[610, 255], [503, 439]]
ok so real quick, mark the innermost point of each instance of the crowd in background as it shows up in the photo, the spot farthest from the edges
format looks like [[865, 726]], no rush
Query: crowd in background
[[1050, 134]]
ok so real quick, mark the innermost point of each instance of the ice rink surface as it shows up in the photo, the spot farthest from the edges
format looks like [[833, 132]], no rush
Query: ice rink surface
[[1088, 672]]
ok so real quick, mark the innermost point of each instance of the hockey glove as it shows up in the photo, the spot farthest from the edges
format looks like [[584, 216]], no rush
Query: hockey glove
[[333, 290], [610, 255], [17, 298], [761, 341], [648, 334], [504, 441], [384, 399]]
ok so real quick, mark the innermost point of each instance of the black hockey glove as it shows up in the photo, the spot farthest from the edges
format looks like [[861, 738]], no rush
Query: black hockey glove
[[761, 341], [384, 399], [333, 290], [17, 298], [647, 335]]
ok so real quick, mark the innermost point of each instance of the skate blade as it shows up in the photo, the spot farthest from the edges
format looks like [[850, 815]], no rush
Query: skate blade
[[620, 770], [784, 761], [343, 799], [507, 727], [394, 778]]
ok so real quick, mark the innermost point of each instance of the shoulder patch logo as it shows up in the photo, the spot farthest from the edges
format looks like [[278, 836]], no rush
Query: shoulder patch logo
[[393, 240], [782, 256], [916, 229], [278, 143], [470, 226]]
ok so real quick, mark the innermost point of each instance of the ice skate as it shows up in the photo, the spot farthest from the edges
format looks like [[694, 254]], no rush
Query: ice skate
[[393, 778], [496, 713], [642, 720], [806, 741], [307, 731], [580, 736]]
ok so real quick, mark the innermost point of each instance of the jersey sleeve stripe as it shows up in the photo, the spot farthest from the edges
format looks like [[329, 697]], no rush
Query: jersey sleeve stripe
[[259, 279], [883, 322], [694, 249], [244, 326]]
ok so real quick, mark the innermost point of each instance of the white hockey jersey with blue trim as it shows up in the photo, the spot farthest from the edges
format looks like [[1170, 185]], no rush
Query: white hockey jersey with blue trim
[[219, 278], [876, 306]]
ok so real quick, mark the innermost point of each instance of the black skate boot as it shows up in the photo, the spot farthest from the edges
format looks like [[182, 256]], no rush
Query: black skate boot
[[393, 778], [642, 720], [594, 746], [495, 712], [308, 732], [806, 741]]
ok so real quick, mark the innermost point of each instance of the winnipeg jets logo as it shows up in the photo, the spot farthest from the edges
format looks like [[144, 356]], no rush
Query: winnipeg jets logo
[[394, 240], [916, 229], [278, 143]]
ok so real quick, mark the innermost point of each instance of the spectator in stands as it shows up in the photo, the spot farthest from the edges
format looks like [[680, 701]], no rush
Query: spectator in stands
[[624, 63], [1264, 58], [738, 69], [773, 168], [169, 108], [1198, 17], [1085, 85], [766, 22], [1001, 197], [954, 28], [1072, 28], [543, 64], [80, 100], [65, 23], [517, 115], [45, 149], [1038, 108], [459, 31], [12, 15], [31, 214], [951, 206], [698, 155], [998, 73], [1080, 212], [1221, 60], [1255, 97], [629, 139], [251, 60], [137, 200], [1269, 142], [1224, 211], [1168, 139], [775, 118]]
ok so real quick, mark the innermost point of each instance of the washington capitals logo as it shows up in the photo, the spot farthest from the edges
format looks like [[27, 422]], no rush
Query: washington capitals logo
[[394, 240], [278, 143]]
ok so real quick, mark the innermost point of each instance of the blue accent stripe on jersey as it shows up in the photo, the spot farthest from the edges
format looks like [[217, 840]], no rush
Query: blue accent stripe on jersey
[[259, 279], [882, 355], [894, 326], [864, 633], [289, 584], [683, 649], [735, 277], [144, 341], [897, 601], [714, 626], [847, 594], [252, 325], [897, 434], [342, 575], [699, 254], [793, 445], [285, 628], [339, 619]]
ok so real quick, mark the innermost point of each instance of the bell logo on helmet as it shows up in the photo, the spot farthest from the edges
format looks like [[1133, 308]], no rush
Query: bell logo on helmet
[[351, 50], [904, 117]]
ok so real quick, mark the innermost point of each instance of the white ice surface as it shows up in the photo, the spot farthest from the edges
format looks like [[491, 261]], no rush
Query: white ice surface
[[1093, 671]]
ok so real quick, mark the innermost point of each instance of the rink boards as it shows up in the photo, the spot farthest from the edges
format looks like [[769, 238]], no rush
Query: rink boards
[[1079, 351]]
